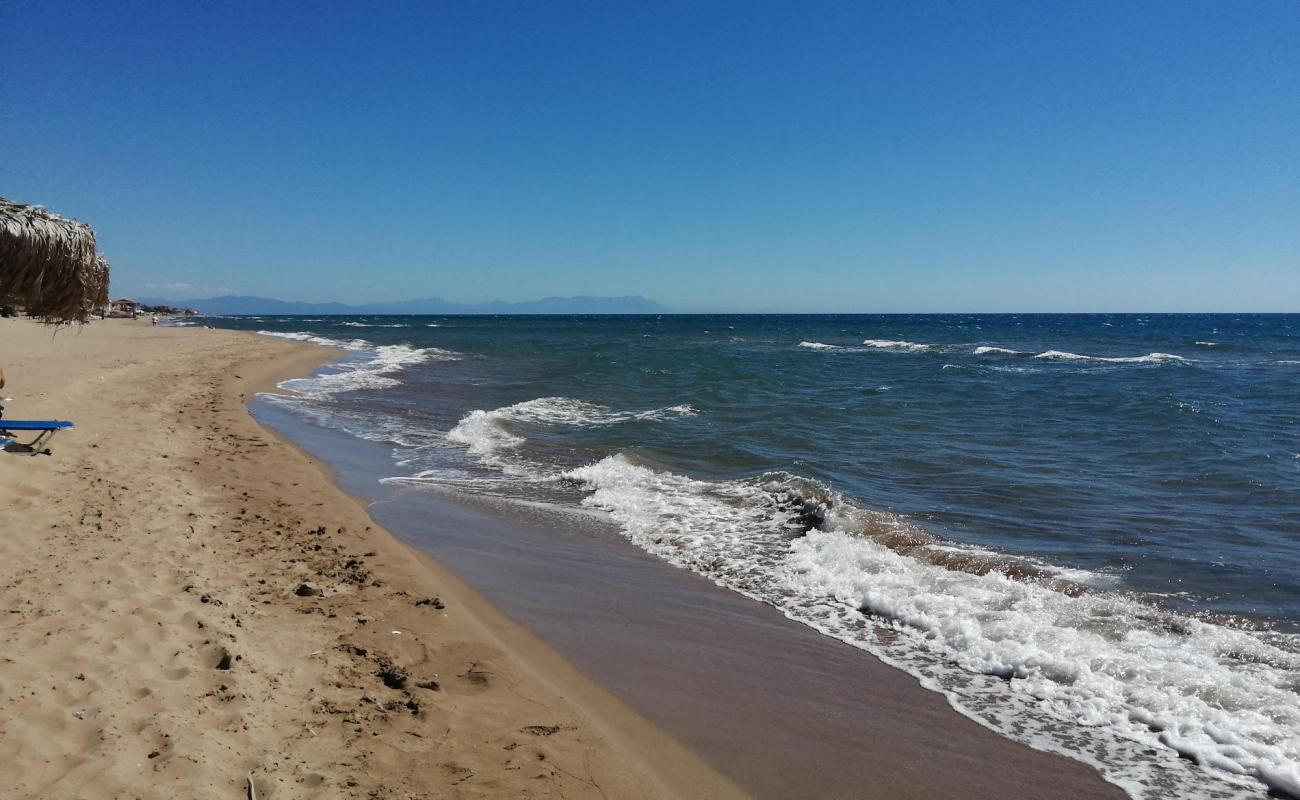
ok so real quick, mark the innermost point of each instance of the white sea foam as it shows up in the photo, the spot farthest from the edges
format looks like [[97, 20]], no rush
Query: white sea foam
[[354, 344], [876, 345], [371, 366], [901, 346], [1005, 368], [1099, 676], [488, 432], [1208, 344], [1287, 362], [451, 479], [1149, 358], [375, 372], [1062, 355], [484, 433]]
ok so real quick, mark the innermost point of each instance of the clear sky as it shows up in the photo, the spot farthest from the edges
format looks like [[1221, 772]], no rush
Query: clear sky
[[899, 156]]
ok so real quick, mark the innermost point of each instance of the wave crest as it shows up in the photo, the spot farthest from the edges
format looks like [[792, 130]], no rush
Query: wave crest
[[901, 346], [1149, 358], [372, 367], [488, 432]]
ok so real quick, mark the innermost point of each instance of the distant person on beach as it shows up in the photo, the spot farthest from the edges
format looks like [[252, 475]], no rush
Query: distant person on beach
[[153, 319]]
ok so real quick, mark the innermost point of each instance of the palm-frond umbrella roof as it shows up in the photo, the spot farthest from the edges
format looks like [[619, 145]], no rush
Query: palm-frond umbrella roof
[[50, 265]]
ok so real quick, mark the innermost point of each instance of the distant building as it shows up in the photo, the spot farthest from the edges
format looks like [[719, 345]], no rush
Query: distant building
[[170, 311], [123, 308]]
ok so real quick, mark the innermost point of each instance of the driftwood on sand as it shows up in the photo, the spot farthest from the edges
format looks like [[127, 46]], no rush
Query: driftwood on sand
[[50, 265]]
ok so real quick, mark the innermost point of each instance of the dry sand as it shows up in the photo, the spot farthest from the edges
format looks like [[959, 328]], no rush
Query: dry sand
[[186, 601]]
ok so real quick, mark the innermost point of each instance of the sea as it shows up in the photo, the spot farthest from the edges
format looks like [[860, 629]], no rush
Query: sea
[[1084, 530]]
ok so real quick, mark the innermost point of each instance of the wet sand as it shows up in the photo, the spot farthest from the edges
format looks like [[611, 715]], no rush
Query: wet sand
[[779, 708]]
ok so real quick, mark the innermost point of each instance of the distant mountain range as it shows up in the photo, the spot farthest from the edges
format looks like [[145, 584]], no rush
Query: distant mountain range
[[233, 304]]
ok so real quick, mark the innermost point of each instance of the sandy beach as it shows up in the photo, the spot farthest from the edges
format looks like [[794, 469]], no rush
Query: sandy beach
[[191, 605]]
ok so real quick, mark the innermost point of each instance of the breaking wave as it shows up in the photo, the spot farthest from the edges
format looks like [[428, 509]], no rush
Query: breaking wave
[[1032, 652], [1149, 358], [902, 346], [325, 341], [371, 366], [488, 432], [1063, 355]]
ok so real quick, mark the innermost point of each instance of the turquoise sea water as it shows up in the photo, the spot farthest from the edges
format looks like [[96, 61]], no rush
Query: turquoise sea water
[[1096, 516]]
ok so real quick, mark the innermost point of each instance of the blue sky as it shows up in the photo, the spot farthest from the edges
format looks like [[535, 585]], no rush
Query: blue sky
[[714, 156]]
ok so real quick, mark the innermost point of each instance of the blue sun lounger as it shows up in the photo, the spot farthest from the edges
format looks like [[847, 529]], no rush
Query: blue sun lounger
[[43, 428]]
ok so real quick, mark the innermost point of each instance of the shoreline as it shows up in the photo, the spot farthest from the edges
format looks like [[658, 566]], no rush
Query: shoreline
[[614, 719], [782, 709], [184, 619]]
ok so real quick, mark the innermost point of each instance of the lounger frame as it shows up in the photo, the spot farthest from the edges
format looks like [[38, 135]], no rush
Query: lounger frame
[[38, 446]]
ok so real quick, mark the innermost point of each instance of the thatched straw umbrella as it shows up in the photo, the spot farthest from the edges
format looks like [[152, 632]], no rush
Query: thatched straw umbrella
[[50, 265]]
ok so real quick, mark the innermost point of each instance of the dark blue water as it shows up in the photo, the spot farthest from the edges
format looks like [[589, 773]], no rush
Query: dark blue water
[[1022, 496]]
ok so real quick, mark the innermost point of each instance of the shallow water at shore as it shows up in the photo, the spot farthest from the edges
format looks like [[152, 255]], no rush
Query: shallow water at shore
[[779, 708], [1065, 524]]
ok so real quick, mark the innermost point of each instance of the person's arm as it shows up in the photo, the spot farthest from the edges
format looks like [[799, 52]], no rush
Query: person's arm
[[2, 379]]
